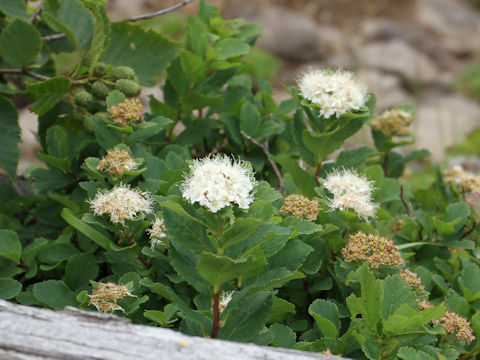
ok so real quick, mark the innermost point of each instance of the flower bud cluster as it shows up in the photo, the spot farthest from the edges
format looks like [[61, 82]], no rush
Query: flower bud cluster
[[127, 113], [300, 206], [116, 162], [350, 191], [412, 280], [375, 249], [121, 203], [336, 92], [452, 323], [467, 180], [104, 297], [157, 232], [216, 182], [393, 122]]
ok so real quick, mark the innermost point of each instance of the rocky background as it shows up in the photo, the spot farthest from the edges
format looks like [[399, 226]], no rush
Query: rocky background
[[405, 51]]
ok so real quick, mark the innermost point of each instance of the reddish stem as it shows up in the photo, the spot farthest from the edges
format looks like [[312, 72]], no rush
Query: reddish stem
[[216, 314]]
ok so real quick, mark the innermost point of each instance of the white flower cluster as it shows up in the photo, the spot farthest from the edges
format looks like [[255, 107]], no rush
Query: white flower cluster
[[216, 182], [351, 191], [335, 91], [157, 232], [121, 203]]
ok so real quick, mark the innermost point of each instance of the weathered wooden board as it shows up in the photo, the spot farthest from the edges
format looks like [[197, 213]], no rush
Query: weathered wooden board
[[28, 333]]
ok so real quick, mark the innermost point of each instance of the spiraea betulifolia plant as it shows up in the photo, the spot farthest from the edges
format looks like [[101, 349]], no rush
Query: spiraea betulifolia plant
[[219, 212]]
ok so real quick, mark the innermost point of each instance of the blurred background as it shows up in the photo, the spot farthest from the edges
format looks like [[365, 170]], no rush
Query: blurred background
[[423, 52]]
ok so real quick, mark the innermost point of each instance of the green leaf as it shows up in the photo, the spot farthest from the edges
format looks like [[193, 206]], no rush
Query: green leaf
[[248, 320], [406, 319], [389, 191], [395, 293], [78, 19], [409, 353], [101, 32], [196, 36], [148, 129], [324, 144], [218, 269], [10, 246], [9, 137], [354, 158], [229, 48], [250, 120], [114, 97], [189, 234], [56, 252], [185, 264], [14, 8], [303, 180], [326, 317], [9, 288], [50, 179], [280, 309], [265, 192], [54, 294], [241, 230], [283, 336], [193, 66], [371, 295], [48, 93], [20, 43], [148, 53], [94, 235], [106, 138], [80, 269], [158, 288], [469, 282]]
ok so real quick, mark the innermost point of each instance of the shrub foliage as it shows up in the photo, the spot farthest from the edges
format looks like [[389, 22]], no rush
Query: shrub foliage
[[332, 251]]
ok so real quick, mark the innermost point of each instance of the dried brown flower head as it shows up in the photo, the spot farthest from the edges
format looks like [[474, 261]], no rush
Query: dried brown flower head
[[451, 322], [300, 206], [375, 249], [116, 162], [393, 122], [128, 112], [412, 280], [104, 297], [467, 180]]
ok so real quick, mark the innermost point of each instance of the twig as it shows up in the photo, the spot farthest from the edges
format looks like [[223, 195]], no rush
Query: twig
[[132, 19], [158, 13], [37, 11], [53, 37], [468, 232], [407, 208], [24, 72], [272, 163]]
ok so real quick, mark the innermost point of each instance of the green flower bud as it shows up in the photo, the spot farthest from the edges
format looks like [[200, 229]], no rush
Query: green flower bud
[[122, 72], [99, 69], [83, 99], [129, 87], [100, 89]]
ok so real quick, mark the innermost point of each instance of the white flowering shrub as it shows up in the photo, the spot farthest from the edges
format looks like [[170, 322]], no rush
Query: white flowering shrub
[[220, 212]]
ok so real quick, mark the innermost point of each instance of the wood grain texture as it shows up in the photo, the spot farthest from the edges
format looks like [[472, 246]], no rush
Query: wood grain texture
[[28, 333]]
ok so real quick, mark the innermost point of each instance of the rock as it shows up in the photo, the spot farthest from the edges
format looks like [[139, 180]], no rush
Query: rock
[[457, 23], [388, 88], [398, 58], [444, 120], [295, 36], [414, 35]]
